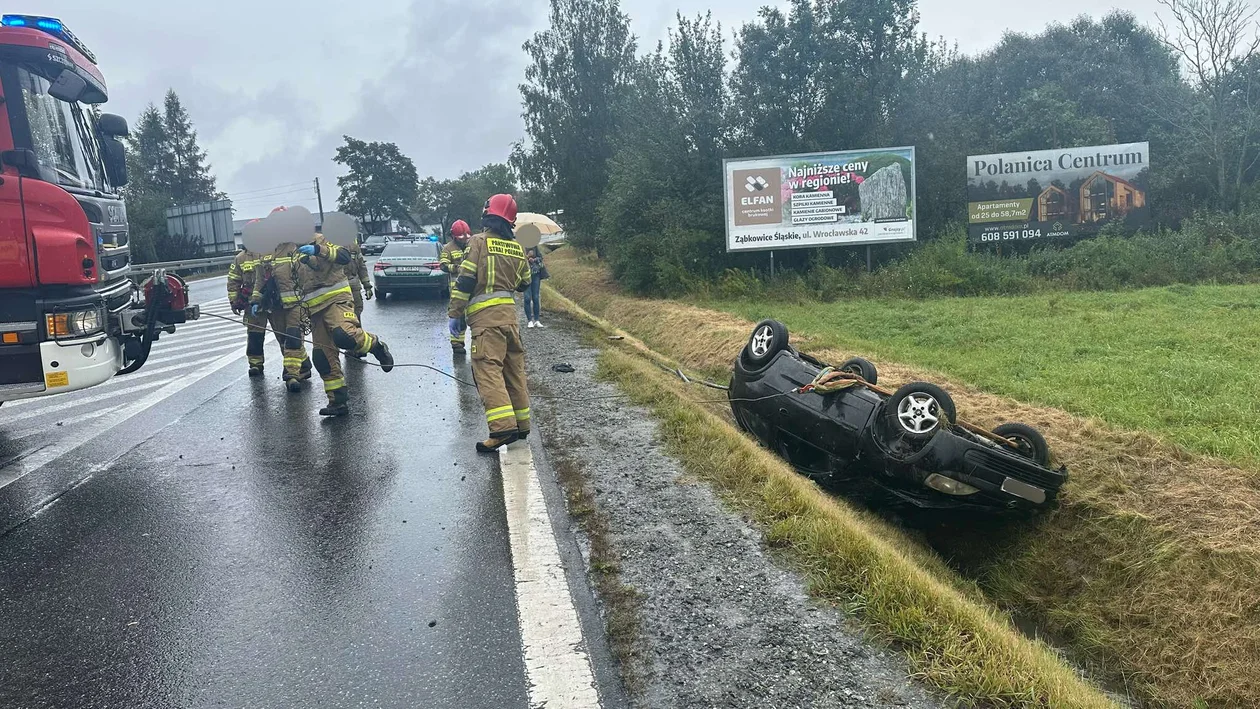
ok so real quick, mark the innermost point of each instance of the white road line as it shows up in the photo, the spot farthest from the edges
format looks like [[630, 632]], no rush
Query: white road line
[[205, 351], [78, 418], [70, 401], [63, 401], [161, 350], [557, 667], [49, 454], [209, 326]]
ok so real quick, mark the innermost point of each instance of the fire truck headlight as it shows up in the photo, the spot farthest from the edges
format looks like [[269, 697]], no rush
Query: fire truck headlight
[[76, 323], [86, 322]]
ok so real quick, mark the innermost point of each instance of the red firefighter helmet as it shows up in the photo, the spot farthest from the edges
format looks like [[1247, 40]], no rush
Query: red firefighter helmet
[[460, 228], [502, 205], [281, 208]]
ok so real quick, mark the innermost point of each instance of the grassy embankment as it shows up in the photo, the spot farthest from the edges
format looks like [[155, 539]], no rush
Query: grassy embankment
[[1147, 572]]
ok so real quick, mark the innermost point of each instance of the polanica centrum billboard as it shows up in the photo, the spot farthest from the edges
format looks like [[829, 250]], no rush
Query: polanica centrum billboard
[[1044, 194], [820, 199]]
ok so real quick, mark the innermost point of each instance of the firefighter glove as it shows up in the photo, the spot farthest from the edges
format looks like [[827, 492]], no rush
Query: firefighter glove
[[253, 309], [367, 293], [308, 249]]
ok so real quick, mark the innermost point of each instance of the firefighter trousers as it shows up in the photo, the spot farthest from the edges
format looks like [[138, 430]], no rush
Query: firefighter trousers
[[335, 327], [255, 338], [358, 299], [287, 326], [498, 365]]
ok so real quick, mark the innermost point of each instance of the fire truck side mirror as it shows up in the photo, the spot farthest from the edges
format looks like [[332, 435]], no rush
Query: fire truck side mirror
[[115, 158], [69, 86], [112, 125]]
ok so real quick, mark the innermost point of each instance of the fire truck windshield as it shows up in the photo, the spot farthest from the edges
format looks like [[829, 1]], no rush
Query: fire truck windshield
[[59, 132]]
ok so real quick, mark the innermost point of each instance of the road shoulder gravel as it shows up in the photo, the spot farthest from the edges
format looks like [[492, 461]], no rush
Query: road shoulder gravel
[[699, 611]]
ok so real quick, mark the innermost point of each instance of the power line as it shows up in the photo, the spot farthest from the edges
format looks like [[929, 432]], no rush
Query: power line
[[268, 189], [266, 198]]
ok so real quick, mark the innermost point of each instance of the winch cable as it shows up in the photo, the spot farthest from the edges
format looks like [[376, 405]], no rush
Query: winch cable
[[541, 397]]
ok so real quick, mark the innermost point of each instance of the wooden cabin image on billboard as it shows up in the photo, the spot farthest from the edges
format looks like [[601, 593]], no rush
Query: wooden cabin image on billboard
[[1101, 197], [1106, 197], [1052, 205]]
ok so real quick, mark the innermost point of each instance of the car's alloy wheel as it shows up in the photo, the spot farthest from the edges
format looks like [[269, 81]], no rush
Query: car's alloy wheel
[[919, 414], [761, 341], [918, 410]]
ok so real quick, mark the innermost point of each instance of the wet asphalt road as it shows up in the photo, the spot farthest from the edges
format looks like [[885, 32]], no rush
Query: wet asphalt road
[[224, 546]]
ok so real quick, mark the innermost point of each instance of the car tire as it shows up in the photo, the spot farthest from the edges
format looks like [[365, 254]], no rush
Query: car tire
[[918, 410], [769, 338], [1028, 441], [382, 294], [862, 368]]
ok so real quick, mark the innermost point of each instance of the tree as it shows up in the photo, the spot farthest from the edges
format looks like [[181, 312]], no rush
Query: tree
[[191, 181], [658, 218], [574, 87], [382, 183], [1218, 43], [444, 201], [166, 167]]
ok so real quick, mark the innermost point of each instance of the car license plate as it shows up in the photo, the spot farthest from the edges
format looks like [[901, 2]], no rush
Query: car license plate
[[1036, 495], [408, 269]]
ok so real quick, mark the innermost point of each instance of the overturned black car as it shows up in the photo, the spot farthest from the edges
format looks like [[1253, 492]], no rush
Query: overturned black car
[[836, 424]]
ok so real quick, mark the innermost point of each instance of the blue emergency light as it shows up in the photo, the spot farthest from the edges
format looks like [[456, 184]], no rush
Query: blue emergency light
[[52, 26], [433, 237]]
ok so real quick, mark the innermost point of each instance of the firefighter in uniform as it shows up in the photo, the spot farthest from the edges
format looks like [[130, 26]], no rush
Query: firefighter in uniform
[[493, 270], [452, 256], [240, 284], [275, 297], [360, 283], [322, 292]]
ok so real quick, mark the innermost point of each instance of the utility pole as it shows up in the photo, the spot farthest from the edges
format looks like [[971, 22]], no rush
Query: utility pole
[[320, 197]]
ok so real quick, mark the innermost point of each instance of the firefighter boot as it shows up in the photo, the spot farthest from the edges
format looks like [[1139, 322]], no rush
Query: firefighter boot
[[338, 403], [458, 347], [255, 370], [293, 385], [380, 351], [497, 441]]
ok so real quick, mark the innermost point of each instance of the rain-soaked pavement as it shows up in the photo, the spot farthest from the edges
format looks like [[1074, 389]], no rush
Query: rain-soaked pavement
[[224, 546]]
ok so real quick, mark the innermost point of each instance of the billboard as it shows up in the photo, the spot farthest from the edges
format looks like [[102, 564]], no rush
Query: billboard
[[209, 221], [820, 199], [1072, 192]]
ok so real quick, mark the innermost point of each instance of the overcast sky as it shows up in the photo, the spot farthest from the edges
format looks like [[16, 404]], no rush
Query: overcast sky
[[272, 85]]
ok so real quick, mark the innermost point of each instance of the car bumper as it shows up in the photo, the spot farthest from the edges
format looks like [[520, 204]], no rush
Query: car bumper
[[427, 282]]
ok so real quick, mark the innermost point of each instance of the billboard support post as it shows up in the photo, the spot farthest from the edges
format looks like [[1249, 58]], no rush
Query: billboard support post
[[772, 264], [868, 258]]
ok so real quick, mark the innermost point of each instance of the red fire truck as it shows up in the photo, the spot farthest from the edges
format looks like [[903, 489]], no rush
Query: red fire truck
[[70, 315]]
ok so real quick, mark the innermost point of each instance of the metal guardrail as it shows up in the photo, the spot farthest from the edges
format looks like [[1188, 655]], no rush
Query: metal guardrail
[[188, 265]]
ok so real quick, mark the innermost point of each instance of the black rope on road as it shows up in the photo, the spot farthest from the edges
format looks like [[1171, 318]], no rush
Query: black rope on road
[[267, 328]]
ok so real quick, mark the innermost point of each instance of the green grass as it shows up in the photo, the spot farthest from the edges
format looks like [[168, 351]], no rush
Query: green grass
[[1182, 362]]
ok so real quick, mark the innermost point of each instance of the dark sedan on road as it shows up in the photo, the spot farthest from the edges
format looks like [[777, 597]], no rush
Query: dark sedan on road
[[374, 245], [413, 266]]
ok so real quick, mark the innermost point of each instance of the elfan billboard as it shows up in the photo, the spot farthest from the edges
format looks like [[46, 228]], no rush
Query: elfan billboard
[[1057, 193], [820, 199]]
